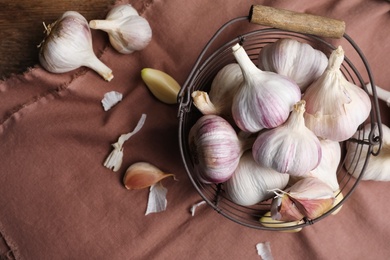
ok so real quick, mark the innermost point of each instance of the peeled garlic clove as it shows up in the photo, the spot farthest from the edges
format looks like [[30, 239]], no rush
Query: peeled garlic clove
[[110, 99], [290, 148], [312, 197], [252, 183], [338, 198], [162, 85], [215, 149], [264, 99], [143, 175], [296, 60], [379, 165], [330, 160], [335, 107], [267, 221], [127, 31], [68, 46], [284, 209]]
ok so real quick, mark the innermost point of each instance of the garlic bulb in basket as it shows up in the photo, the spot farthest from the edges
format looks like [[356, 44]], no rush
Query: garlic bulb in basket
[[68, 46], [223, 88], [335, 107], [127, 31], [379, 165], [251, 183], [290, 148], [296, 60], [215, 148], [264, 99]]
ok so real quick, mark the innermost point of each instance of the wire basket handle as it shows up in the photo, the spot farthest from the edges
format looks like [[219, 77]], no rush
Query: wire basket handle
[[296, 22]]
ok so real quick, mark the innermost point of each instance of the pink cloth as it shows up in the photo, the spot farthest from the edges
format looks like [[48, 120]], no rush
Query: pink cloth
[[58, 201]]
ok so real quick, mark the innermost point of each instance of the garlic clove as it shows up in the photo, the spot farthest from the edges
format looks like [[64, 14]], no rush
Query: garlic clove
[[296, 60], [382, 94], [338, 198], [252, 183], [128, 32], [335, 107], [267, 221], [284, 209], [110, 99], [203, 103], [68, 46], [264, 99], [290, 148], [142, 175], [377, 168], [163, 86]]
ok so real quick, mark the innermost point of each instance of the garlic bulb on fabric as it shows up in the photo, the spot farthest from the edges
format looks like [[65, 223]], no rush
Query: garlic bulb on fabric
[[251, 183], [335, 107], [215, 148], [330, 160], [264, 99], [296, 60], [68, 46], [127, 31], [309, 196], [290, 148], [379, 165]]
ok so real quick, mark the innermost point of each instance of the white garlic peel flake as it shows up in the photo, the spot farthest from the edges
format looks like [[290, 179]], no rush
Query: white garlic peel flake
[[195, 206], [264, 250], [110, 99], [157, 201], [114, 159], [379, 165]]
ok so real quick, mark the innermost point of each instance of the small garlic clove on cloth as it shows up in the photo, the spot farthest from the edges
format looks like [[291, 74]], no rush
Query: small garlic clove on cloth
[[294, 59], [290, 148], [264, 99], [335, 107], [68, 46], [379, 165], [142, 175], [127, 31]]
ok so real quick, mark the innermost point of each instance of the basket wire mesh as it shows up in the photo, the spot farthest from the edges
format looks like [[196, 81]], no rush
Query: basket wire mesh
[[212, 59]]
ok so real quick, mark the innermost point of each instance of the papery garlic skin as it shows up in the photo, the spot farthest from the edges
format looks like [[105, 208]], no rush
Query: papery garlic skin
[[264, 99], [128, 32], [215, 148], [68, 46], [330, 160], [296, 60], [335, 107], [379, 165], [290, 148], [252, 183]]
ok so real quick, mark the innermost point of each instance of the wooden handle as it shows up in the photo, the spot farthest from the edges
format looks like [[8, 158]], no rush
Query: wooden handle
[[296, 22]]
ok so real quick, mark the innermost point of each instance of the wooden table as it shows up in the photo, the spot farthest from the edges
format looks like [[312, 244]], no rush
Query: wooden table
[[21, 27]]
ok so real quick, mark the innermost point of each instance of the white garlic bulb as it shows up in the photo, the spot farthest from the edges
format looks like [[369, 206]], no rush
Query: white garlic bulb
[[379, 165], [330, 160], [223, 88], [68, 46], [252, 183], [127, 31], [264, 99], [296, 60], [335, 107], [290, 148], [215, 148]]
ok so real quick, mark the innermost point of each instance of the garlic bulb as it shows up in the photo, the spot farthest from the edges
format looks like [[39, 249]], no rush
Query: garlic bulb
[[251, 183], [264, 99], [310, 197], [379, 165], [290, 148], [330, 160], [335, 107], [68, 46], [127, 31], [215, 148], [223, 88], [296, 60]]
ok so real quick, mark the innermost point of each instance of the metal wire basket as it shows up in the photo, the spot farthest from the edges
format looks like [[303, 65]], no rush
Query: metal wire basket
[[213, 58]]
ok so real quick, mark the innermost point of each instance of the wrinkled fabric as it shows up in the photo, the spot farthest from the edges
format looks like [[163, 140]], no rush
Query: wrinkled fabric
[[58, 201]]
